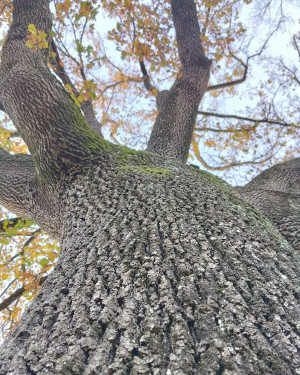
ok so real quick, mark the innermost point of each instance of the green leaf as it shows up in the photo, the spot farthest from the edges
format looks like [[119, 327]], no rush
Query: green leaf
[[44, 262]]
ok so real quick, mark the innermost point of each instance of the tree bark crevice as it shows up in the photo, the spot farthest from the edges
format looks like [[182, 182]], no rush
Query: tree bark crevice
[[163, 268], [192, 299]]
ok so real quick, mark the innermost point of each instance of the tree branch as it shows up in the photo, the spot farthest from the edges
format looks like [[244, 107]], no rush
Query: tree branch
[[16, 175], [146, 78], [229, 84], [191, 52], [242, 118], [86, 106], [46, 117], [11, 223], [245, 65], [296, 45], [17, 294], [160, 95], [172, 132], [229, 165]]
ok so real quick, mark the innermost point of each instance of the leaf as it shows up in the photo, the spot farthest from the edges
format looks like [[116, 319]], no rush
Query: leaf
[[44, 262]]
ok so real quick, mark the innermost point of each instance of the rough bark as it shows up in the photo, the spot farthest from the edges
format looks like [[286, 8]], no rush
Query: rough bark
[[173, 129], [45, 115], [163, 269], [276, 193], [17, 172]]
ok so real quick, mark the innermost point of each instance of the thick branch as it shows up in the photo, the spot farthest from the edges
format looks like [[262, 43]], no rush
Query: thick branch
[[191, 52], [276, 193], [86, 106], [46, 117], [16, 175], [173, 129]]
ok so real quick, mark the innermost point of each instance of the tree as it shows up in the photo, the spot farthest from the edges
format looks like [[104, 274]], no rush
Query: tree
[[163, 268]]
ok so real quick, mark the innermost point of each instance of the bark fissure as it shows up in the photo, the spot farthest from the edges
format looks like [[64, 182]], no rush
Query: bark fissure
[[163, 269]]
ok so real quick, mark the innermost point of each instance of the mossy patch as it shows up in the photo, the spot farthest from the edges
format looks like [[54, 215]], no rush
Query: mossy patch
[[154, 171], [214, 180]]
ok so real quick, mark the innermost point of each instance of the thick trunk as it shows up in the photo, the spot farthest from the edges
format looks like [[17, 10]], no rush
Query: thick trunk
[[162, 271]]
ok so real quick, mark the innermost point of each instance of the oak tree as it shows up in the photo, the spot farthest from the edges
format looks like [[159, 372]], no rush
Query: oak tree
[[164, 269]]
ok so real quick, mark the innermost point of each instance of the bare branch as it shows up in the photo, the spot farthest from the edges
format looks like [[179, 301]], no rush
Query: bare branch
[[230, 165], [27, 243], [8, 286], [296, 45], [17, 294], [245, 65], [115, 84], [206, 22], [232, 83], [242, 118], [146, 78]]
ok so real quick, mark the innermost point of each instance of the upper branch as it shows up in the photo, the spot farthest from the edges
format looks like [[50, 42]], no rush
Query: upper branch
[[190, 49], [173, 129], [249, 119], [46, 117]]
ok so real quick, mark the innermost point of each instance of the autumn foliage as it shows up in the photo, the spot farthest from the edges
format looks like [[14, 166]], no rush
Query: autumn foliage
[[96, 51]]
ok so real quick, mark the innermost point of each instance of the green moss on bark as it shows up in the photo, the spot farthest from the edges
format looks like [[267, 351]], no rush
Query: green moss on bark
[[154, 171]]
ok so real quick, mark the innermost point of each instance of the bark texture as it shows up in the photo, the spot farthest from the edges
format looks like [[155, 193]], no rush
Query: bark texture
[[17, 173], [163, 271], [276, 193], [173, 129]]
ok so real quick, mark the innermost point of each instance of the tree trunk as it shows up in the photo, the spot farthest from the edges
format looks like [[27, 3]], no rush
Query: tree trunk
[[162, 271]]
